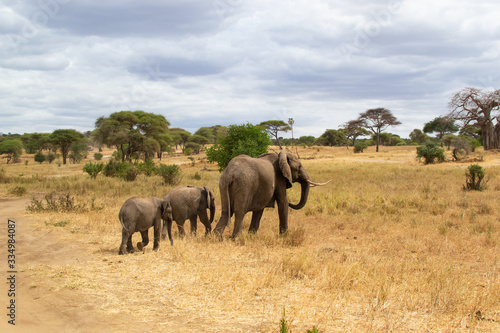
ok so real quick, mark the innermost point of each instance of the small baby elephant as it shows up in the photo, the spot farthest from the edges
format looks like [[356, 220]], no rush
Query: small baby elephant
[[189, 202], [140, 214]]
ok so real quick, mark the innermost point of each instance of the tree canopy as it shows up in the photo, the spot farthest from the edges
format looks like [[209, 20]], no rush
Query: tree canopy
[[13, 148], [273, 127], [240, 139], [354, 129], [332, 137], [64, 138], [377, 120], [134, 133], [441, 125]]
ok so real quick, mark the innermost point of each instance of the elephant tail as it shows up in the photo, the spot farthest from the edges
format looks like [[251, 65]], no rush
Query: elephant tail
[[123, 224]]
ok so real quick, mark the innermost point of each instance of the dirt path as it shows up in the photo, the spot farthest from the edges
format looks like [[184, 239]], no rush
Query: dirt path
[[41, 304]]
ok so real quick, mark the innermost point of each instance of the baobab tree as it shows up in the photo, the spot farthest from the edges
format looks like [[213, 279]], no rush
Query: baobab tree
[[473, 106]]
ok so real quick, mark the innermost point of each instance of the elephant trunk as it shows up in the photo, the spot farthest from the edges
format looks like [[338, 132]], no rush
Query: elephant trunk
[[303, 195]]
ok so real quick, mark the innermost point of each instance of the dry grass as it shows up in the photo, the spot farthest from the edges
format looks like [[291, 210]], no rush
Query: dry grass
[[388, 245]]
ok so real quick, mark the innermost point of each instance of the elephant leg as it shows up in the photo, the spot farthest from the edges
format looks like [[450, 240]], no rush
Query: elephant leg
[[254, 225], [130, 247], [194, 224], [238, 223], [123, 245], [156, 233], [206, 222], [145, 240], [180, 227], [223, 222]]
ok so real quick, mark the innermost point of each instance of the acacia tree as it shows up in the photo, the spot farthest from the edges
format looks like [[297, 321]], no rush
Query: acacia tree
[[441, 125], [273, 127], [13, 148], [352, 130], [134, 132], [473, 106], [332, 137], [377, 120], [418, 136], [64, 138]]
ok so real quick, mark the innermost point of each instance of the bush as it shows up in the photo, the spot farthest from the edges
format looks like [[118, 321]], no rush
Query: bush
[[240, 139], [129, 172], [93, 169], [360, 146], [430, 152], [474, 177], [98, 156], [51, 157], [147, 168], [124, 170], [112, 169], [39, 157], [18, 191], [171, 174]]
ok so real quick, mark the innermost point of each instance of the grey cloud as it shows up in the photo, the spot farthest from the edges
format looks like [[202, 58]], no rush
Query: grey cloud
[[147, 19]]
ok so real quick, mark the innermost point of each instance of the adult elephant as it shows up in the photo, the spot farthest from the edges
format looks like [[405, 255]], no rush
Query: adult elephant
[[251, 184], [190, 202], [140, 214]]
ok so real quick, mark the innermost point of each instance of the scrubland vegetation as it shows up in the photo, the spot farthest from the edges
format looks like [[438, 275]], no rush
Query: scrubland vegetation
[[390, 245]]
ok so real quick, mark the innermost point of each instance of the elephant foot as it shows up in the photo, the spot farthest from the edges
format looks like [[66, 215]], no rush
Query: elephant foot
[[140, 247]]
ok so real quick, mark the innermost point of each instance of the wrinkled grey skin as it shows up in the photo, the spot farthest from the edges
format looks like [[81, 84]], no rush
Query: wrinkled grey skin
[[189, 202], [252, 184], [140, 214]]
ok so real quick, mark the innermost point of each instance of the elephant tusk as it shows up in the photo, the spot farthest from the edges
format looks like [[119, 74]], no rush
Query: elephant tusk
[[317, 184]]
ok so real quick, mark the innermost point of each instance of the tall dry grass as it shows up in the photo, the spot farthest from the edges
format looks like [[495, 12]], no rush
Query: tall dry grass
[[388, 245]]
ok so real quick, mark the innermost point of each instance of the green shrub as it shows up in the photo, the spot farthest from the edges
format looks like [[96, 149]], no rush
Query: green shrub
[[51, 157], [93, 169], [147, 168], [98, 156], [124, 170], [360, 146], [39, 157], [430, 152], [171, 174], [240, 139], [474, 177], [129, 172], [112, 169]]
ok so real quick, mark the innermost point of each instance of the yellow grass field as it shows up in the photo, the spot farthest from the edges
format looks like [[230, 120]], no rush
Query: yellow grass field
[[389, 245]]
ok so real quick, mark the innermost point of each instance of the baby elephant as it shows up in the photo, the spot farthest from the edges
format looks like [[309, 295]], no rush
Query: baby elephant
[[140, 214], [189, 203]]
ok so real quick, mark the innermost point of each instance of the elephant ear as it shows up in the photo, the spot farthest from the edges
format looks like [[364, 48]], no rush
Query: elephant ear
[[209, 202], [285, 168]]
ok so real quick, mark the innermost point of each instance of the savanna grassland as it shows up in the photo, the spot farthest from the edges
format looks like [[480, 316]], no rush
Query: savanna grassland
[[389, 245]]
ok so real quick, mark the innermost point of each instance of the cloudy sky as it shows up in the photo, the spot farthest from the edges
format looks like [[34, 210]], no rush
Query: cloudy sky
[[64, 63]]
